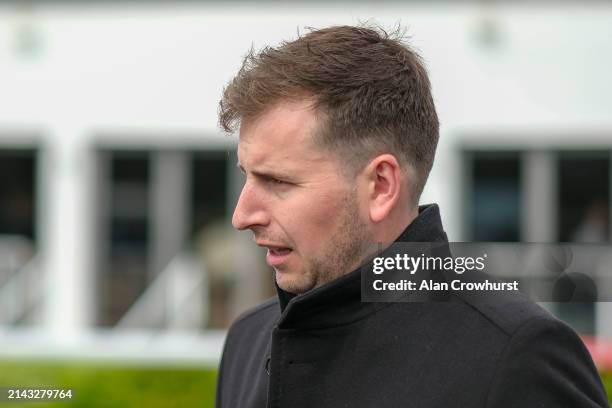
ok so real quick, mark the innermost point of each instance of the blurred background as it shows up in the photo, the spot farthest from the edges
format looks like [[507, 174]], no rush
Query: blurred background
[[119, 269]]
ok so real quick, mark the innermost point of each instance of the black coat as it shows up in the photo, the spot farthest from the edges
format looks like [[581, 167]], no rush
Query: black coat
[[326, 348]]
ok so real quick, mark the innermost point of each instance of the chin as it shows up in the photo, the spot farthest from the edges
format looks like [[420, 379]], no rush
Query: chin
[[293, 284]]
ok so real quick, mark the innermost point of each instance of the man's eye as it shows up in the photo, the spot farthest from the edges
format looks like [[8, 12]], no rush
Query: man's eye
[[275, 181]]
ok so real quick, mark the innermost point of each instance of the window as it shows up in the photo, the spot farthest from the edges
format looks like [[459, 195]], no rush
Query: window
[[580, 202], [495, 196], [154, 206], [124, 272], [18, 193], [584, 196]]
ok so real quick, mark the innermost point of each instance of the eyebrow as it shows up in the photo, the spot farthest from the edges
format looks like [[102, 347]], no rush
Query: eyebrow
[[263, 174]]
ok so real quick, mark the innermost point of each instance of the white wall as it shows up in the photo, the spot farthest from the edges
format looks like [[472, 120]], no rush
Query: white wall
[[157, 72]]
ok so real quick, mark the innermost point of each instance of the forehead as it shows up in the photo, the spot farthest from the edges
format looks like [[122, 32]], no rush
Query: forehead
[[283, 135]]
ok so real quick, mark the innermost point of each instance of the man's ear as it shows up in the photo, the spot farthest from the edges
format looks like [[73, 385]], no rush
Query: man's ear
[[384, 186]]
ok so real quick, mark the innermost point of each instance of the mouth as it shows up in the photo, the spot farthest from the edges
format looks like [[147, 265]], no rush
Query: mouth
[[276, 256]]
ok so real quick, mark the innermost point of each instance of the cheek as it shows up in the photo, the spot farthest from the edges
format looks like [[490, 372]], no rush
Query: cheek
[[317, 220]]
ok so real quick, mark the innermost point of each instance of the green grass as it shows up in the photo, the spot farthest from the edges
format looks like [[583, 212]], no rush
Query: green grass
[[606, 378], [107, 385], [111, 385]]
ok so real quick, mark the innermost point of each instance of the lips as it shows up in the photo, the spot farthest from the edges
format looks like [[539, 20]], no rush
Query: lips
[[277, 256], [279, 251]]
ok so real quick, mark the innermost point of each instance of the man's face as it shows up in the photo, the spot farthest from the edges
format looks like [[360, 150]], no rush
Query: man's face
[[296, 201]]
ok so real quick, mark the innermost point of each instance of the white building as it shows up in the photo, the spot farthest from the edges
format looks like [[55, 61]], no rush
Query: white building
[[111, 158]]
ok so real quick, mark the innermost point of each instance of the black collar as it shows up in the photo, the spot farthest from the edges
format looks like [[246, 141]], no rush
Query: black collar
[[339, 301]]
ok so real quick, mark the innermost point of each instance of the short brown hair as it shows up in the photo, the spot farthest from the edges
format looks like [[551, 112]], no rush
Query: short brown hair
[[370, 89]]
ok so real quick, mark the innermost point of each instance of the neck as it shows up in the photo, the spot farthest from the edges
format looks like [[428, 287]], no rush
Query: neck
[[392, 227]]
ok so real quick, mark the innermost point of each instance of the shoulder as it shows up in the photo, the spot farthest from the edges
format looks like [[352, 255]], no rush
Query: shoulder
[[547, 361], [257, 321], [524, 324], [249, 335], [260, 313], [538, 354], [243, 359], [506, 311]]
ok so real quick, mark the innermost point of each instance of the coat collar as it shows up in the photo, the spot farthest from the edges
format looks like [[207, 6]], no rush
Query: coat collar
[[339, 301]]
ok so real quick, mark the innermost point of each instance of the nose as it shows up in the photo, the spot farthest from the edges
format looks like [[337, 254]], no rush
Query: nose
[[250, 209]]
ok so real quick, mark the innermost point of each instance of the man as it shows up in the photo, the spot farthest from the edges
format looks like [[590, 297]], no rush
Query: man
[[338, 132]]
